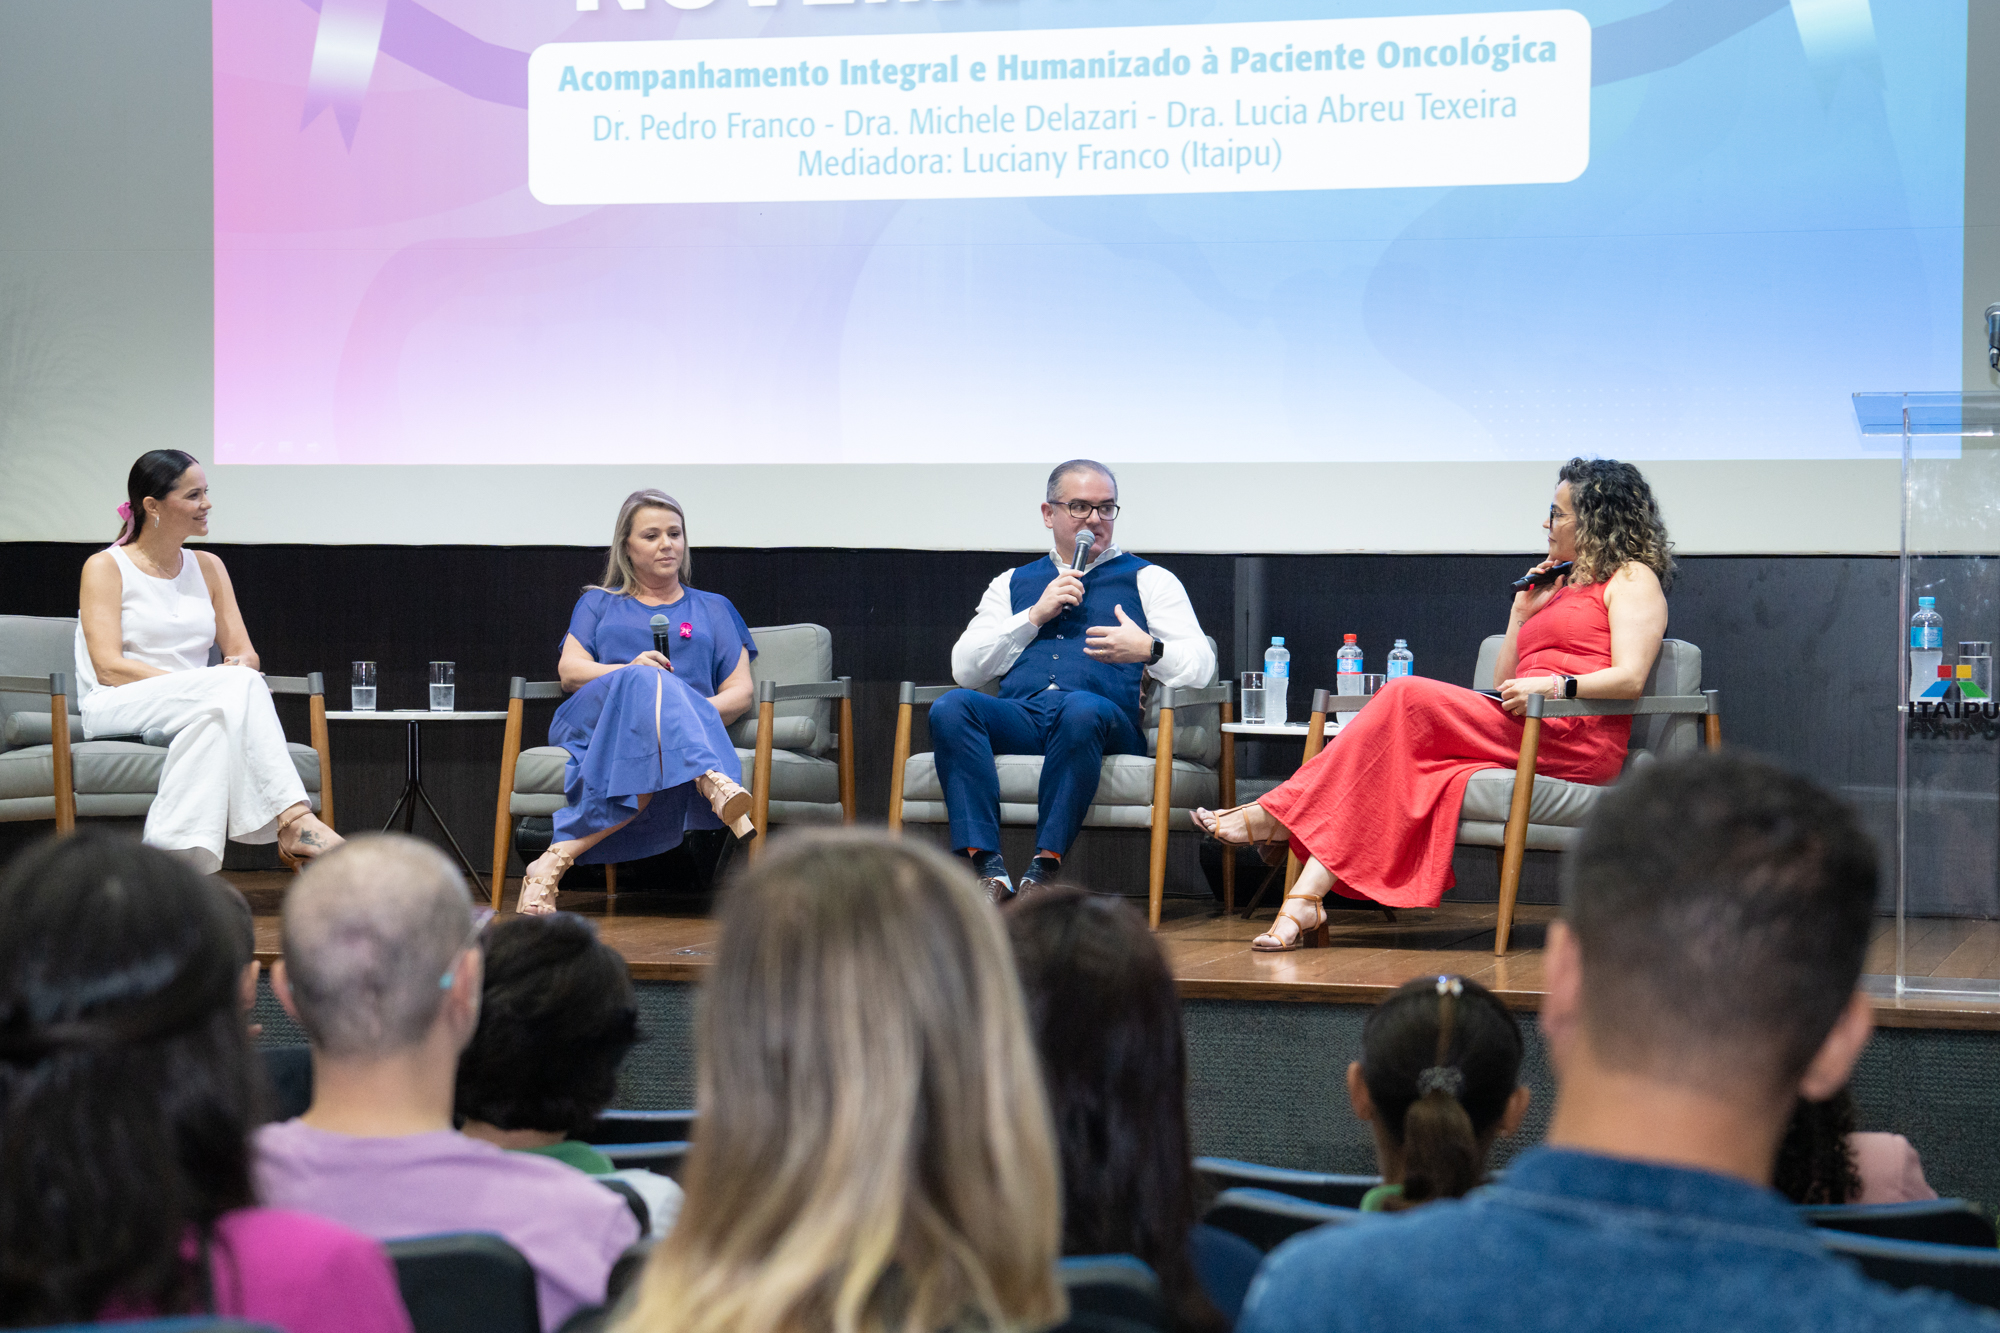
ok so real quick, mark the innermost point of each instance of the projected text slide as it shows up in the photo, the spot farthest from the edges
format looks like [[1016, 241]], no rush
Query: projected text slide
[[1324, 104]]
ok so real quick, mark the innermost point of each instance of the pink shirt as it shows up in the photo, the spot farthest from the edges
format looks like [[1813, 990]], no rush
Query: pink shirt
[[1890, 1170], [569, 1227], [299, 1273]]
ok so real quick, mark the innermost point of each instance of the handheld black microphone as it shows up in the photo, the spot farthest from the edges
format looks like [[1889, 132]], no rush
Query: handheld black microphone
[[1082, 549], [1541, 580], [660, 636]]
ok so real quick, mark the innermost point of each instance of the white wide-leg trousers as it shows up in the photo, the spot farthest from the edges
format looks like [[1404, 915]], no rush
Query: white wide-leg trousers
[[227, 774]]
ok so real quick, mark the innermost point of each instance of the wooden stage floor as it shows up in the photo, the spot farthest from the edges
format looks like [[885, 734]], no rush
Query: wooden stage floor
[[665, 939]]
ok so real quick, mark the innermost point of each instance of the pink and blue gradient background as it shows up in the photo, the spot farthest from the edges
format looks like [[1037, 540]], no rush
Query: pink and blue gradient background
[[1755, 238]]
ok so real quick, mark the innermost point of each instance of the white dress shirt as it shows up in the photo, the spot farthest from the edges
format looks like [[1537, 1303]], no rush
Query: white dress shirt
[[994, 640]]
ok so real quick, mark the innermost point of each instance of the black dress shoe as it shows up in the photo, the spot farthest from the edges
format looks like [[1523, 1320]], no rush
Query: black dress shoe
[[999, 889], [991, 868], [1043, 873]]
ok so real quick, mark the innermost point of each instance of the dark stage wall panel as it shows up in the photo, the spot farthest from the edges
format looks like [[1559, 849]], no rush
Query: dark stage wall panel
[[1796, 643]]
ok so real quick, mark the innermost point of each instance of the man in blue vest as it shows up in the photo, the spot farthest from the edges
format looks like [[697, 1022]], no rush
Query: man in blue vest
[[1070, 648]]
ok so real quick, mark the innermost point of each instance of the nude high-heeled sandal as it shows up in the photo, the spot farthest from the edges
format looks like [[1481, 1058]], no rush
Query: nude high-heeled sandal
[[538, 892], [1270, 850], [729, 801]]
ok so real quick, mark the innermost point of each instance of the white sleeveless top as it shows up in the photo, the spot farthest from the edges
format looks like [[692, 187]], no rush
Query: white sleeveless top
[[167, 623]]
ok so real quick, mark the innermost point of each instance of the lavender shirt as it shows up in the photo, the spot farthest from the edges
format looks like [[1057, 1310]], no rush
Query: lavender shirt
[[565, 1224]]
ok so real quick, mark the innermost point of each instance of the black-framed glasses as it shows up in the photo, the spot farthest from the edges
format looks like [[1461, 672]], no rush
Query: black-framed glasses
[[1556, 516], [1083, 508]]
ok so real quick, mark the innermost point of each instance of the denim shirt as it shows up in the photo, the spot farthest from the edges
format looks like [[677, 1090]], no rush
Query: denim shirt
[[1577, 1242]]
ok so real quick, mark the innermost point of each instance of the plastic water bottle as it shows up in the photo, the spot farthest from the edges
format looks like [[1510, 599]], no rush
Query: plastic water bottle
[[1277, 678], [1347, 675], [1926, 645], [1402, 662]]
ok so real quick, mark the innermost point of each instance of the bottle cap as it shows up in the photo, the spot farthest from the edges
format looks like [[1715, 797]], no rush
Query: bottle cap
[[1926, 601], [1277, 640], [1348, 638], [1402, 643]]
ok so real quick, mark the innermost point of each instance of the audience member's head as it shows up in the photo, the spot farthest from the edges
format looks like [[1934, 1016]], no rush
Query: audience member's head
[[126, 1080], [1815, 1158], [1716, 910], [1438, 1081], [1117, 1084], [874, 1151], [556, 1017], [376, 934]]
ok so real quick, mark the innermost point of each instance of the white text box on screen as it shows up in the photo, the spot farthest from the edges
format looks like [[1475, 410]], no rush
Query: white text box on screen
[[1321, 104]]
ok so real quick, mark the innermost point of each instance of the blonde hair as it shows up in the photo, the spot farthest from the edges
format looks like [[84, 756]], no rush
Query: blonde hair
[[875, 1152], [618, 573]]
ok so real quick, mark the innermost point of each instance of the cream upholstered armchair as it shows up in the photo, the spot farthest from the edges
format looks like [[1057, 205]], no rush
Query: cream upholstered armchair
[[796, 745], [1155, 790], [47, 769], [1512, 812]]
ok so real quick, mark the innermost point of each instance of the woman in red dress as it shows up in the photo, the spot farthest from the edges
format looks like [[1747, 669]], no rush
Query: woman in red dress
[[1377, 810]]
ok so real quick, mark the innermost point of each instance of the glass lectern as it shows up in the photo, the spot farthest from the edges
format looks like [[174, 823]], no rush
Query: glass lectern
[[1947, 853]]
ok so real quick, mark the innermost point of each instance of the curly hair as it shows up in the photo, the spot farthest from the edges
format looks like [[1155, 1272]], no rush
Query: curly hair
[[556, 1017], [1617, 521], [1815, 1163]]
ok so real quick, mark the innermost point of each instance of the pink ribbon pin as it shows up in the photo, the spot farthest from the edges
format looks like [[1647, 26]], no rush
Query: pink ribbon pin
[[687, 630]]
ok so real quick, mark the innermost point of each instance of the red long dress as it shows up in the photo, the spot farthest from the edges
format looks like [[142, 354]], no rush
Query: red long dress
[[1379, 805]]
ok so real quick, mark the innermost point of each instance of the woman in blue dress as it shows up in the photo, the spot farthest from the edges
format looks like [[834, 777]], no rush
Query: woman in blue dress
[[649, 758]]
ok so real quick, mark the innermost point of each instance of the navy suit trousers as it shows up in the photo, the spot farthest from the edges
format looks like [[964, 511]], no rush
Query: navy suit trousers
[[1072, 729]]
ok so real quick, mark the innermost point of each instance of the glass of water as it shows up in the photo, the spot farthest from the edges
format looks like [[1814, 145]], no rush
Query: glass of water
[[1251, 695], [1371, 682], [361, 695], [444, 687]]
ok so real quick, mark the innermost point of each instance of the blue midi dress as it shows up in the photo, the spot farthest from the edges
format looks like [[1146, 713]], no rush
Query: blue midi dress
[[641, 729]]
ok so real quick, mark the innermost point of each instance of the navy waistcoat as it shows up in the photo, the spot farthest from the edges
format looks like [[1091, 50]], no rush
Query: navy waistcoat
[[1056, 656]]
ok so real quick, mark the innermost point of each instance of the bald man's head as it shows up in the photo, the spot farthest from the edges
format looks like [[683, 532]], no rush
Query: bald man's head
[[370, 928]]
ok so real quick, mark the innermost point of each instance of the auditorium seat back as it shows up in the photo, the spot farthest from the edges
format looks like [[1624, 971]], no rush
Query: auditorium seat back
[[1969, 1273], [1935, 1221], [1115, 1287], [466, 1282], [1340, 1191], [1267, 1219], [639, 1127]]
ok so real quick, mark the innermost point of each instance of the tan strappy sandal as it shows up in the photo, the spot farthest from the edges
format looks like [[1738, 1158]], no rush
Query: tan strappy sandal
[[1299, 940], [538, 892], [730, 802], [1271, 850]]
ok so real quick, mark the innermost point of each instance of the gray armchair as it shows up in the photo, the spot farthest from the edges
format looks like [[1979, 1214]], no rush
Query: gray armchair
[[783, 743], [1512, 812], [48, 772], [1155, 790]]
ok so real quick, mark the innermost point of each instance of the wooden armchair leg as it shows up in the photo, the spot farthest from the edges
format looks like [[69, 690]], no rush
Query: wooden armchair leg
[[65, 769], [849, 803], [760, 775], [1163, 792], [322, 743], [899, 759], [1228, 794], [611, 882], [503, 834], [1516, 843]]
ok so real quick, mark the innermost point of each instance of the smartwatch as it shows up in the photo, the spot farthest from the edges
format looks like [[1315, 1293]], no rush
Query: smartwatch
[[1159, 651], [1569, 687]]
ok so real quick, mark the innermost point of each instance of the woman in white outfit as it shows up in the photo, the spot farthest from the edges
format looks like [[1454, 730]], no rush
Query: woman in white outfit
[[150, 611]]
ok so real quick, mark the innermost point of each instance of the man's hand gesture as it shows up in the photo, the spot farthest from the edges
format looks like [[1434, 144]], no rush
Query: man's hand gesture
[[1063, 592], [1122, 642]]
